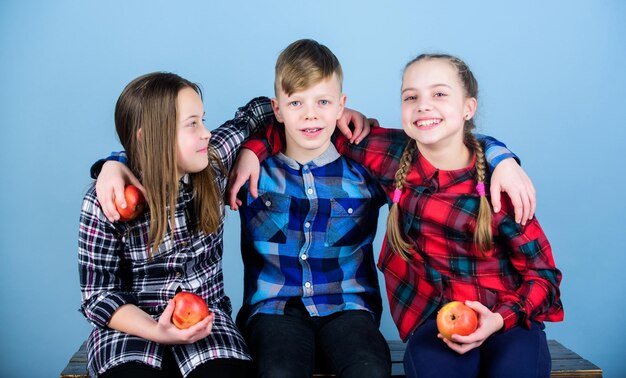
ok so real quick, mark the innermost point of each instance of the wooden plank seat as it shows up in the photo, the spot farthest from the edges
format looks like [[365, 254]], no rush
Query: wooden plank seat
[[565, 362]]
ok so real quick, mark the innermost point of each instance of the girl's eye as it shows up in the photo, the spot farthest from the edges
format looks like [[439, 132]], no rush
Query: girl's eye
[[410, 98], [440, 94]]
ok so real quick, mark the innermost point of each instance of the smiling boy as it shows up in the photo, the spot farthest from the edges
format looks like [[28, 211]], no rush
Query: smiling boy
[[311, 284]]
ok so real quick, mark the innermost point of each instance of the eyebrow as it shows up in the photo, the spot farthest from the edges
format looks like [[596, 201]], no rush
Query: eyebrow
[[432, 86], [194, 116]]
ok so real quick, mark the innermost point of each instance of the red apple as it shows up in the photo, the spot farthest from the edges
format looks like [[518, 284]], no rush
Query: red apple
[[456, 318], [135, 203], [189, 309]]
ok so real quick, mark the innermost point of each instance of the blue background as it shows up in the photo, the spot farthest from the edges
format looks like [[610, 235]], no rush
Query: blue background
[[552, 87]]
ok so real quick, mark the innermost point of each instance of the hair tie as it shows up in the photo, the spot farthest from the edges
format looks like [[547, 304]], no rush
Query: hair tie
[[480, 188], [396, 195]]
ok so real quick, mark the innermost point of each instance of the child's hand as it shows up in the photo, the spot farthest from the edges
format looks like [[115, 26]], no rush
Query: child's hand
[[362, 125], [110, 187], [509, 177], [246, 168], [488, 323], [167, 333]]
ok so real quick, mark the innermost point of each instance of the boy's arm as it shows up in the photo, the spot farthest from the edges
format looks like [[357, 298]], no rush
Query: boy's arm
[[509, 177]]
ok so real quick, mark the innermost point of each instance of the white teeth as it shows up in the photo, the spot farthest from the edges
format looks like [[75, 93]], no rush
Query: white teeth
[[427, 122], [311, 130]]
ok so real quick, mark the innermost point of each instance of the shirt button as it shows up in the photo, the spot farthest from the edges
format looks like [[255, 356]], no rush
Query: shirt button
[[307, 285], [184, 244], [350, 211], [304, 257], [178, 274], [268, 203], [310, 191], [305, 167], [307, 224]]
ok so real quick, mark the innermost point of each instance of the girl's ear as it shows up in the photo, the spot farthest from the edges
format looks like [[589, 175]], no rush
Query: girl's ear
[[470, 108], [276, 109], [139, 134]]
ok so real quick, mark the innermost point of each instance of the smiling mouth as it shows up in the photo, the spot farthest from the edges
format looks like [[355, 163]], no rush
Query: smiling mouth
[[427, 123], [311, 130]]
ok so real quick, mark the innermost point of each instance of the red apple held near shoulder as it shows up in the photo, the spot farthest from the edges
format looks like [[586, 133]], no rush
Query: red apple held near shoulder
[[189, 309], [456, 318], [135, 203]]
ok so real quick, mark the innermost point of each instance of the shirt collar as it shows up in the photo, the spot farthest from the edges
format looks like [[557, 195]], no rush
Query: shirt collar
[[445, 178]]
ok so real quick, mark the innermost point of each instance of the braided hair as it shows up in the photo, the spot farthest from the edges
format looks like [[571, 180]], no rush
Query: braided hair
[[483, 237]]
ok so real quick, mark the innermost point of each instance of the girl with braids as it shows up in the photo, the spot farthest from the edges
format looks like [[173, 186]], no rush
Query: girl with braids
[[444, 243]]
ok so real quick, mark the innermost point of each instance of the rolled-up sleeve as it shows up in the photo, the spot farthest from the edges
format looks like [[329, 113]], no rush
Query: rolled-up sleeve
[[100, 245], [538, 295]]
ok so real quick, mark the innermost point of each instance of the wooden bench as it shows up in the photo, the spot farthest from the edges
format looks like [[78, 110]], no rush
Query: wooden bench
[[565, 363]]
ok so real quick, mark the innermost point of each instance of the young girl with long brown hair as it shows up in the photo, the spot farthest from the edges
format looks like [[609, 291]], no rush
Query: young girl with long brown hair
[[129, 271]]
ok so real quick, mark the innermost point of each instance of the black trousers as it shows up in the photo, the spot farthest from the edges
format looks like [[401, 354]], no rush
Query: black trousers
[[288, 345]]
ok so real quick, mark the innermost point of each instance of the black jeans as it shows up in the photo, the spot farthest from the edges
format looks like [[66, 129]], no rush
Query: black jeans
[[219, 368], [288, 345]]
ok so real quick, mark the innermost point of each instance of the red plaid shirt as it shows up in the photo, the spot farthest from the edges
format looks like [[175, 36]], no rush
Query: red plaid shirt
[[517, 279]]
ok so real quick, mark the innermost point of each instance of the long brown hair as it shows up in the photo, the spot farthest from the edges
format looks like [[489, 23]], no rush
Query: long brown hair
[[148, 103], [483, 237]]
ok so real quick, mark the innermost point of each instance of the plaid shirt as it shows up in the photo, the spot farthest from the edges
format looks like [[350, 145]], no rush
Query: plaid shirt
[[517, 279], [114, 270], [309, 235]]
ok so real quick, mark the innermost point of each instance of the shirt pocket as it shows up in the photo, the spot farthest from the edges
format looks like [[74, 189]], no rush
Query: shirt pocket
[[346, 223], [268, 217]]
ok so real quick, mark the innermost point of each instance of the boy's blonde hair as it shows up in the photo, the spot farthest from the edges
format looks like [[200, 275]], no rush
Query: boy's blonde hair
[[303, 64], [149, 103], [483, 237]]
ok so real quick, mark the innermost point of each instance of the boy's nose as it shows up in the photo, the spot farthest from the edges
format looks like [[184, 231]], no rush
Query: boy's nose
[[310, 112]]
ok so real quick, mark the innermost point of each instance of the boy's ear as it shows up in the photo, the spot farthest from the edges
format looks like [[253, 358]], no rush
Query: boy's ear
[[276, 109], [342, 105]]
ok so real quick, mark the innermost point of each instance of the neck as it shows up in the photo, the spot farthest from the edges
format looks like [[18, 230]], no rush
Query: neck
[[304, 156], [448, 157]]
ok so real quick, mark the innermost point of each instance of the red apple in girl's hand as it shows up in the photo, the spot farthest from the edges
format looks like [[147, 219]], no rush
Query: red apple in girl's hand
[[135, 203], [189, 309], [456, 318]]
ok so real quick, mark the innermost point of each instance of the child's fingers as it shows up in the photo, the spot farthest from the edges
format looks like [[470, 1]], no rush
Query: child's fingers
[[495, 197], [234, 185], [254, 184], [343, 126], [166, 316]]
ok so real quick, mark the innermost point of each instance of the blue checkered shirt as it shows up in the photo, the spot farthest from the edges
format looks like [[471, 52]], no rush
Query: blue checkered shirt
[[309, 235]]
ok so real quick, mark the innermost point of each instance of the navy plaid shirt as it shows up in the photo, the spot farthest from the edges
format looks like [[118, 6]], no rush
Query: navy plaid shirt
[[114, 270], [309, 235]]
